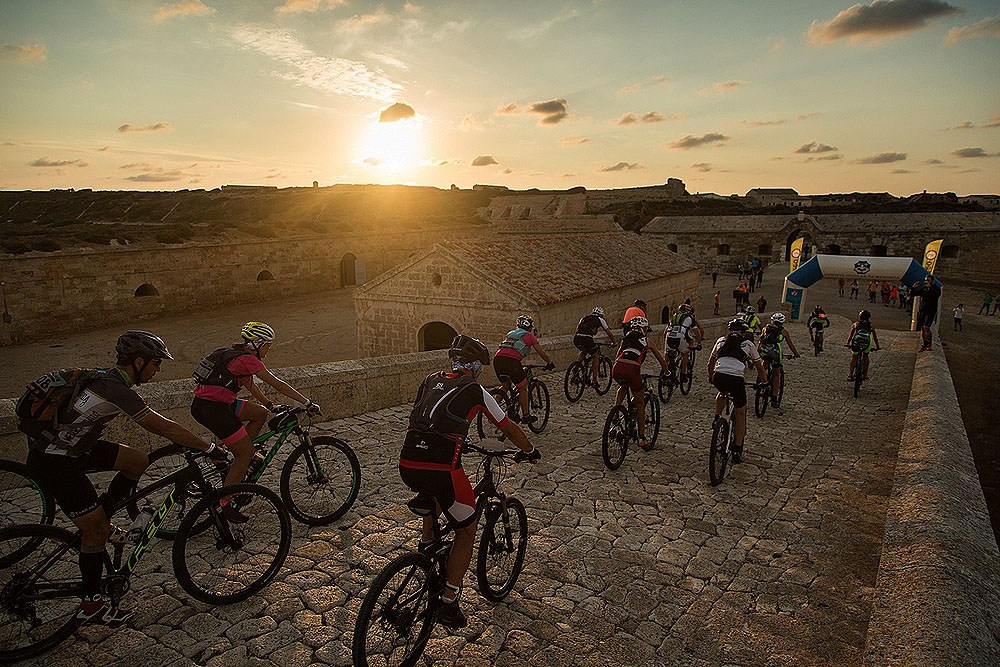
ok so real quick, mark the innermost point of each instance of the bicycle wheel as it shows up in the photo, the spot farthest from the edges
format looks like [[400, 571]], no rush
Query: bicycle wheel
[[574, 382], [165, 461], [22, 500], [859, 377], [327, 480], [687, 379], [484, 426], [762, 396], [616, 437], [229, 562], [603, 375], [816, 346], [501, 549], [538, 396], [781, 388], [718, 455], [39, 591], [397, 614], [652, 420]]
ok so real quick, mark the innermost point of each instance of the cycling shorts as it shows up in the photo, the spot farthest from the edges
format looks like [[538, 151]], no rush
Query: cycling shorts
[[222, 419], [510, 367], [925, 319], [65, 477], [627, 375], [772, 354], [679, 343], [732, 385], [585, 343], [451, 489]]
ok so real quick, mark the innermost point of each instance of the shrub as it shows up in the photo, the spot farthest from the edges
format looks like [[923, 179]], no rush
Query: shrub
[[45, 245], [13, 247]]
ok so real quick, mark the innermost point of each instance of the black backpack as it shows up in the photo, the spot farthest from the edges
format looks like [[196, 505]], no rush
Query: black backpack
[[46, 400], [212, 370], [431, 413]]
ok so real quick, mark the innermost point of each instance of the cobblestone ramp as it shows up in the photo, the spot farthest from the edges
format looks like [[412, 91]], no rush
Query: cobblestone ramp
[[646, 565]]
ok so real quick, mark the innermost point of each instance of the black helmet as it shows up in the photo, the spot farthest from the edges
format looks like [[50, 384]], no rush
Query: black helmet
[[132, 344], [864, 316], [640, 303], [467, 349], [738, 325]]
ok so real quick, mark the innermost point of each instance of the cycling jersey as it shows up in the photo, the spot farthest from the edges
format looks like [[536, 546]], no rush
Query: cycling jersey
[[590, 325], [241, 369], [733, 352], [633, 347], [680, 325], [517, 344], [753, 323], [818, 322], [771, 338]]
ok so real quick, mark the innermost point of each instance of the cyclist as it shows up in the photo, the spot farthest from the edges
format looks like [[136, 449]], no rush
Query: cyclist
[[929, 294], [753, 322], [730, 357], [584, 338], [627, 371], [59, 462], [817, 322], [221, 375], [771, 338], [638, 309], [431, 457], [515, 346], [860, 339], [683, 334]]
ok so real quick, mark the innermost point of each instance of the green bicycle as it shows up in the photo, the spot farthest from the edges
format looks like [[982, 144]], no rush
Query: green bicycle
[[621, 428]]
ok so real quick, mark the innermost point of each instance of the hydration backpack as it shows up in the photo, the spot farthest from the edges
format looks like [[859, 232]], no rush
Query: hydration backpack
[[770, 336], [861, 340], [515, 340], [46, 400], [213, 369], [431, 412]]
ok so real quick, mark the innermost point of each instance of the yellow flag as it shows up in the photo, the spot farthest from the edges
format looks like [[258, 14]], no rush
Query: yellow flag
[[931, 253], [796, 254]]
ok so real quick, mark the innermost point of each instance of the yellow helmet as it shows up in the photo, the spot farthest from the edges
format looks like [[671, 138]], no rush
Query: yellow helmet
[[257, 333]]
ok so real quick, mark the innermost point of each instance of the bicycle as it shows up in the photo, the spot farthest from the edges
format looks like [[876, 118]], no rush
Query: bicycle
[[319, 481], [398, 613], [665, 383], [22, 499], [817, 342], [621, 426], [723, 436], [762, 393], [580, 375], [219, 563], [538, 398], [859, 372]]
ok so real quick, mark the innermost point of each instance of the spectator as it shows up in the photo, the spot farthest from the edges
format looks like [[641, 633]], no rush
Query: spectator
[[716, 311], [904, 296], [959, 312], [760, 275], [761, 304], [929, 294], [894, 295], [840, 287], [741, 273], [987, 300], [752, 283], [715, 276], [854, 288], [996, 304], [872, 289]]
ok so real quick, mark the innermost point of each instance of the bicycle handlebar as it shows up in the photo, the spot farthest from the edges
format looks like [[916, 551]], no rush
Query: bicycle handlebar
[[490, 450]]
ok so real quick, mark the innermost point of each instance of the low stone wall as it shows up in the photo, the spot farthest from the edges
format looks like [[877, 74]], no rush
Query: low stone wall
[[937, 594]]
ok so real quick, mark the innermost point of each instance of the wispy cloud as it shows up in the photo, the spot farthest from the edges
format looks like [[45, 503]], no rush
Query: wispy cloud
[[656, 80], [300, 6], [14, 53], [691, 141], [630, 118], [986, 28], [702, 166], [183, 9], [880, 158], [156, 127], [160, 176], [372, 161], [824, 158], [903, 171], [972, 152], [781, 121], [395, 112], [339, 76], [538, 29], [814, 147], [387, 59], [484, 161], [994, 121], [722, 87], [574, 140], [622, 166], [46, 162], [933, 161], [881, 20], [360, 22], [138, 165], [629, 89]]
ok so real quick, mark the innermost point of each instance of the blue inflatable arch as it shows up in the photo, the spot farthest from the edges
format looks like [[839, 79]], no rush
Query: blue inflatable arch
[[896, 269]]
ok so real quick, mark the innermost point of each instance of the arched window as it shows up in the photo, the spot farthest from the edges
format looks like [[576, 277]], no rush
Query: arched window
[[672, 247], [665, 315], [949, 251], [764, 249], [832, 249], [348, 270], [146, 289], [879, 251], [265, 275], [723, 249], [436, 279], [435, 336]]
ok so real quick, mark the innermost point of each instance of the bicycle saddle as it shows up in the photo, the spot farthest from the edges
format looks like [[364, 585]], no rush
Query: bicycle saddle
[[421, 505]]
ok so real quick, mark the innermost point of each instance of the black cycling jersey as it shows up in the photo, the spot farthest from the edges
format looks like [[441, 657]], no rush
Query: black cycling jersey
[[633, 347], [590, 325], [733, 347]]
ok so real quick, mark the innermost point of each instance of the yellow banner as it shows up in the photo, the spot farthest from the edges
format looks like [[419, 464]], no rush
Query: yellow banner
[[931, 253], [796, 254]]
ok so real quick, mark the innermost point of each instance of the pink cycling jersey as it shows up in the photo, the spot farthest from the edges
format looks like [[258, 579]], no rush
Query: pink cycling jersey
[[242, 367]]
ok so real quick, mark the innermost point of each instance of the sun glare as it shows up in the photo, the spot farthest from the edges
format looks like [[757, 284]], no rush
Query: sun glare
[[392, 148]]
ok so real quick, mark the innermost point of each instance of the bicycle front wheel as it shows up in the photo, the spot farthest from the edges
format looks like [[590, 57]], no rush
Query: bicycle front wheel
[[39, 591], [573, 382], [501, 549], [652, 419], [664, 388], [603, 375], [229, 562], [539, 397], [718, 455], [397, 614], [327, 477], [616, 436]]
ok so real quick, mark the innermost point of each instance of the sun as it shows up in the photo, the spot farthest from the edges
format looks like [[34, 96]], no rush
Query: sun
[[392, 148]]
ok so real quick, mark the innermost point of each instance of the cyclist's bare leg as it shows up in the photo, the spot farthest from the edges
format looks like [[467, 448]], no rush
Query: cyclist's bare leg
[[684, 362], [854, 363], [95, 527], [776, 381], [460, 557], [522, 398], [620, 395], [864, 363], [242, 451], [720, 404], [740, 425], [254, 415], [594, 360]]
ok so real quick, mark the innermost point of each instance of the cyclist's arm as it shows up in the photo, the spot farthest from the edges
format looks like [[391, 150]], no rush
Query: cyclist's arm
[[611, 336], [791, 345], [517, 436], [761, 374], [282, 386], [711, 365], [850, 334], [537, 347], [875, 338], [258, 394], [156, 423]]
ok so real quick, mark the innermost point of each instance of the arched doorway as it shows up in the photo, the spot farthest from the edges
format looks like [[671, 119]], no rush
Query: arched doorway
[[348, 270], [807, 244], [435, 336], [665, 315], [146, 290]]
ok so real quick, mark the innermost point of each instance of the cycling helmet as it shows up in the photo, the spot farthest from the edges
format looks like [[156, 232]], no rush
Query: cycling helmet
[[257, 333], [864, 316], [639, 322], [525, 322], [818, 309], [738, 325], [778, 318], [686, 307], [132, 344], [599, 311], [466, 349], [751, 310], [640, 303]]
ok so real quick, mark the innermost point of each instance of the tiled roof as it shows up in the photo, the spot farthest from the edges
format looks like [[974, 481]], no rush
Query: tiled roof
[[841, 222], [548, 268]]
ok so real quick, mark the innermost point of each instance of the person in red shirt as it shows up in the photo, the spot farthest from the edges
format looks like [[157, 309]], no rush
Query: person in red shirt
[[638, 309]]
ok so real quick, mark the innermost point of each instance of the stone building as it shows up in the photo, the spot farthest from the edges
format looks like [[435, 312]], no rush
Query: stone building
[[969, 252], [480, 287]]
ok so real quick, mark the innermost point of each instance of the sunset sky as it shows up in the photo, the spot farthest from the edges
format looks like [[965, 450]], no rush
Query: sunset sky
[[820, 96]]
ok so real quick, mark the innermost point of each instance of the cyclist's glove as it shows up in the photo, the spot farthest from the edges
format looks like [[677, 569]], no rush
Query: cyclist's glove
[[313, 408], [217, 454], [549, 366], [532, 456]]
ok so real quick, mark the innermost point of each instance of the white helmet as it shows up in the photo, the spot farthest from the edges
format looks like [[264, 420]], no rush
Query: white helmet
[[599, 311], [525, 322], [778, 318], [639, 322], [751, 310]]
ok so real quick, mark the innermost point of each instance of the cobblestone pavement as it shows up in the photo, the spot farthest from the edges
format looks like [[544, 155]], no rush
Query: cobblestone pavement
[[646, 565]]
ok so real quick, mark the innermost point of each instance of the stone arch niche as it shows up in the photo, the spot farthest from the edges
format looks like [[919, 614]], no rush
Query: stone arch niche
[[435, 336], [665, 315], [146, 289], [265, 275], [352, 270], [832, 249], [672, 247], [807, 245], [722, 249], [949, 251], [879, 251]]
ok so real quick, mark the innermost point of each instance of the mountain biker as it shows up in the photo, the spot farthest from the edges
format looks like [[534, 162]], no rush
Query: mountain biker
[[753, 322], [627, 371], [638, 309], [515, 346], [817, 323], [730, 357], [59, 462], [221, 376], [860, 339], [771, 338], [683, 334], [431, 457], [587, 328]]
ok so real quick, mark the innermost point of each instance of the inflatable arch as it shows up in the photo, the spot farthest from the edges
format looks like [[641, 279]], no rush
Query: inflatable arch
[[896, 269]]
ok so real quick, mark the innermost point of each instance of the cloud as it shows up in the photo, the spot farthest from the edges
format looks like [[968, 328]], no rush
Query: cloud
[[508, 170], [156, 127], [182, 9], [372, 161], [660, 80], [969, 171], [46, 162], [484, 161], [985, 28], [994, 121], [471, 123], [630, 118], [138, 165], [813, 147], [300, 6], [965, 125], [881, 20], [971, 152], [880, 158], [835, 156], [552, 111], [722, 88], [702, 166], [691, 141], [433, 162], [903, 171], [397, 111], [509, 108], [412, 8], [103, 150], [538, 29], [933, 161], [622, 166], [161, 176], [574, 140], [629, 89], [781, 121], [360, 22], [12, 53], [387, 59], [339, 76]]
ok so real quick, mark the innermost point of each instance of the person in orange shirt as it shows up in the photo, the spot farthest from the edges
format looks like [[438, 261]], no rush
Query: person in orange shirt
[[716, 311], [638, 309]]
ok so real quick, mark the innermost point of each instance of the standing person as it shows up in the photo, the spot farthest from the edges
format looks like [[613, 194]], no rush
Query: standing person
[[716, 311], [959, 313], [872, 289], [752, 283], [987, 300], [904, 296], [929, 294], [516, 345], [761, 304], [221, 375], [741, 273], [431, 457], [638, 309], [854, 288], [840, 287], [996, 305], [760, 275], [893, 295], [885, 294], [715, 276], [584, 338], [627, 371], [730, 357]]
